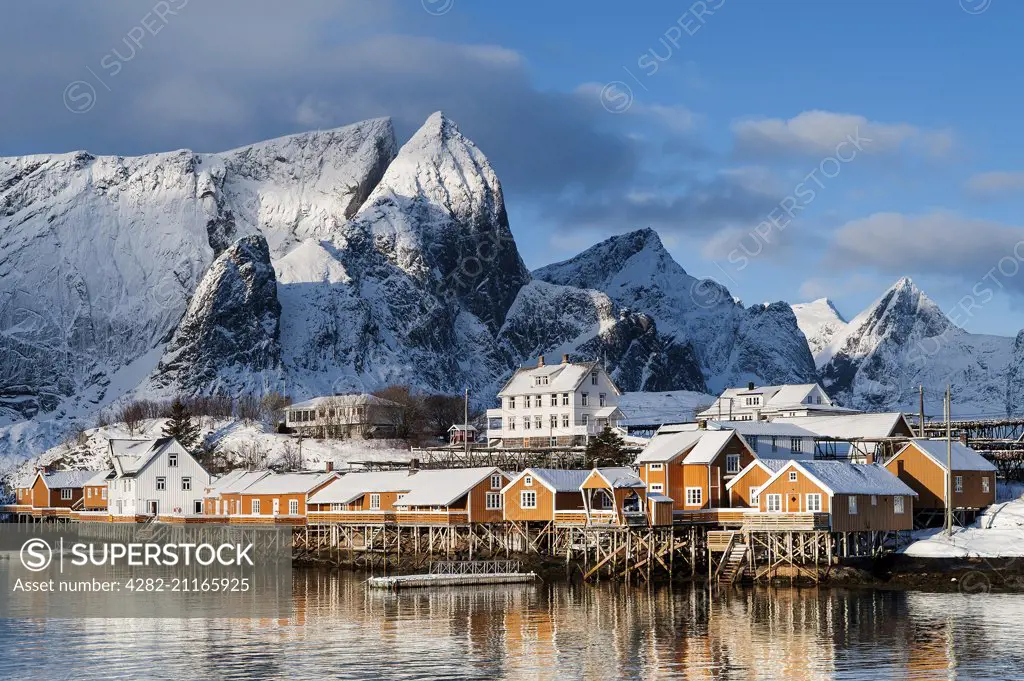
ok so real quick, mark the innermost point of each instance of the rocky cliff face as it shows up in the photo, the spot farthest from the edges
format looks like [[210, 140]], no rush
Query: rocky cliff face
[[732, 344], [229, 338]]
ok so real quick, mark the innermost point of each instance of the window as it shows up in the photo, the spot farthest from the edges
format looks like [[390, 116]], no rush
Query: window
[[293, 507], [161, 484], [538, 421], [585, 419], [584, 399], [186, 484], [657, 488], [554, 400], [694, 496], [103, 492], [752, 441], [593, 378], [255, 507], [337, 507], [958, 483], [374, 502], [753, 495], [553, 420], [897, 505], [565, 420], [792, 476], [984, 484], [527, 401], [197, 507], [732, 463], [512, 403], [511, 422], [553, 441], [874, 500], [527, 499], [65, 494], [601, 399], [853, 505], [172, 460], [813, 502], [775, 444], [656, 467], [565, 399], [496, 481], [796, 444], [526, 422], [493, 502], [773, 503], [528, 481]]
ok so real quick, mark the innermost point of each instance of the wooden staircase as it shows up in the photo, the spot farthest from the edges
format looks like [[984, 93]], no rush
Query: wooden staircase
[[734, 563]]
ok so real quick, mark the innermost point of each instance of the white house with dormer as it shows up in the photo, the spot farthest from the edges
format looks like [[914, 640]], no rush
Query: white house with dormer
[[154, 478], [767, 402], [554, 405]]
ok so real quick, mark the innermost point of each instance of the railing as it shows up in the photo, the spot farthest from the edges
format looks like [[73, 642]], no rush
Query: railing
[[720, 541], [787, 521], [475, 567], [715, 515], [353, 517], [570, 517], [432, 517]]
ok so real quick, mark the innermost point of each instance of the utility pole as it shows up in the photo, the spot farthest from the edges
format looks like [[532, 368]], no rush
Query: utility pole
[[949, 463], [921, 412], [465, 433]]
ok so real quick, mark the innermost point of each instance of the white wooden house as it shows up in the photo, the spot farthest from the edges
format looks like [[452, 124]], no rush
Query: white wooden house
[[155, 477], [552, 405], [766, 402]]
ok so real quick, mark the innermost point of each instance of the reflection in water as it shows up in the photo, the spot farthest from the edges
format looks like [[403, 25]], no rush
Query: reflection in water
[[339, 629]]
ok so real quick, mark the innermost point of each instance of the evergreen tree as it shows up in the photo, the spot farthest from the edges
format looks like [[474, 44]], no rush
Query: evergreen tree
[[608, 448], [181, 427]]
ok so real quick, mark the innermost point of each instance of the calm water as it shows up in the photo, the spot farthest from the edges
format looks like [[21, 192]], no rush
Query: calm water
[[340, 630]]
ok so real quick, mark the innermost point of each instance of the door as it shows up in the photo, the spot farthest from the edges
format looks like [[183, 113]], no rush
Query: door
[[277, 507], [152, 506]]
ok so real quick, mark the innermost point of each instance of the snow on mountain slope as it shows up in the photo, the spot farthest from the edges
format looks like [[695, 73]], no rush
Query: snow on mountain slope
[[733, 344], [819, 321], [904, 340]]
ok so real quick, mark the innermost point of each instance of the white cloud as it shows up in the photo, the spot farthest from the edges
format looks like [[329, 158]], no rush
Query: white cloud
[[996, 183], [820, 132]]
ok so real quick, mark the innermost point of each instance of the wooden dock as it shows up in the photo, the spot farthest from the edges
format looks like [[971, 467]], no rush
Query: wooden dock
[[436, 580]]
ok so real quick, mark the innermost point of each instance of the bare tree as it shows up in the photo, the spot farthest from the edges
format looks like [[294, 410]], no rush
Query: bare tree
[[291, 457], [274, 404], [132, 415], [442, 411], [252, 455], [249, 409], [407, 417]]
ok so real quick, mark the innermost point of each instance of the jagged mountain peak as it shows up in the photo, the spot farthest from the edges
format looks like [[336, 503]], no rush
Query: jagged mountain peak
[[820, 322]]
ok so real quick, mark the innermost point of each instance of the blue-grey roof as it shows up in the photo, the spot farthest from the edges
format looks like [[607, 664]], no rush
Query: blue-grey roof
[[560, 479], [620, 476], [853, 478], [66, 479], [964, 458]]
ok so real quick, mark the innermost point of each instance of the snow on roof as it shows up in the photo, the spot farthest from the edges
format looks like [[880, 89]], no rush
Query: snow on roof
[[288, 483], [839, 477], [620, 476], [667, 446], [766, 428], [351, 486], [658, 498], [444, 487], [848, 426], [459, 427], [561, 480], [131, 456], [564, 377], [775, 397], [964, 458], [236, 481], [66, 479], [710, 445], [351, 400], [100, 479], [772, 466]]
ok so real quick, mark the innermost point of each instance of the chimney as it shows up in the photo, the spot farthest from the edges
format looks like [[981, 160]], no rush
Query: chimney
[[328, 467], [540, 360], [565, 359], [750, 386]]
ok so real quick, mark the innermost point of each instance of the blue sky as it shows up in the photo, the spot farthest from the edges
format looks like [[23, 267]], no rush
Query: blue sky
[[702, 120]]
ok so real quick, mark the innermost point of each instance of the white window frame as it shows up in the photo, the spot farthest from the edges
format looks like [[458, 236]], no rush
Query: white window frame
[[553, 420], [254, 506], [528, 499], [796, 444], [375, 501], [538, 422], [753, 495], [565, 399], [602, 399], [593, 378], [103, 492], [773, 503], [694, 496], [852, 504], [172, 460], [657, 488], [197, 507], [655, 466], [897, 505], [565, 420], [492, 501], [585, 399], [793, 477], [65, 494], [512, 402], [958, 483], [293, 507], [528, 481], [730, 466], [985, 487], [497, 480], [527, 423], [814, 507], [161, 483], [186, 484], [554, 399]]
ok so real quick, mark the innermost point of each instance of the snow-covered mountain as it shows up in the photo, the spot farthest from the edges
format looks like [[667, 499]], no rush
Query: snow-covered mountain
[[904, 340], [819, 321], [310, 264], [733, 344]]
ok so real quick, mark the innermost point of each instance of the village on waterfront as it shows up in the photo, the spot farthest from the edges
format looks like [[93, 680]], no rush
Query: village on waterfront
[[764, 482]]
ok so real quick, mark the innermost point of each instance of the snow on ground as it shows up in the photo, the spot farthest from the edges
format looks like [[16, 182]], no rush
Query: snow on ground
[[228, 435], [997, 533]]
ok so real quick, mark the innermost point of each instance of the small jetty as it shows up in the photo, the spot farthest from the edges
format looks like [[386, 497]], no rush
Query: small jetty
[[459, 573]]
